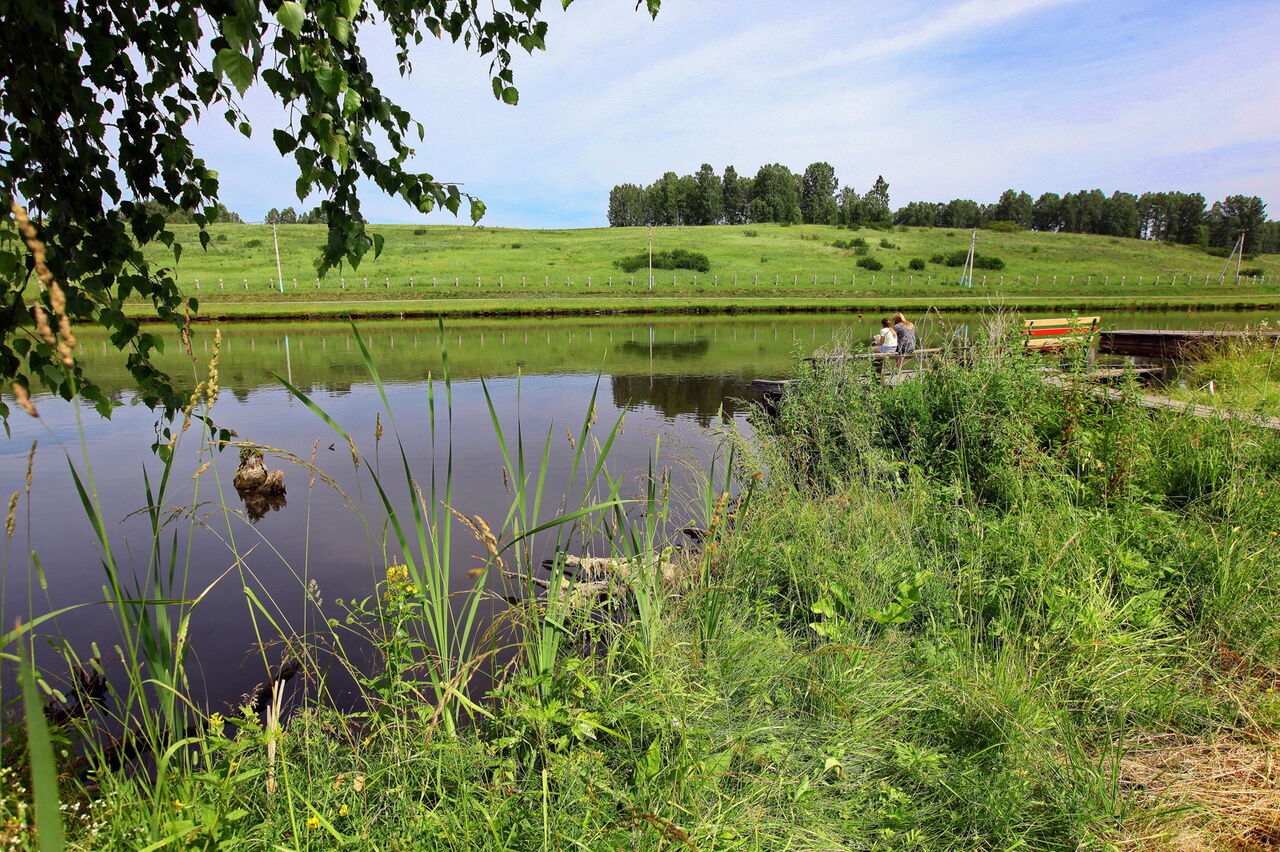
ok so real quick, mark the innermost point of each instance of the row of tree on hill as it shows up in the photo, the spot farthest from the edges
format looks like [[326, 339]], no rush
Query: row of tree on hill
[[776, 194], [287, 216]]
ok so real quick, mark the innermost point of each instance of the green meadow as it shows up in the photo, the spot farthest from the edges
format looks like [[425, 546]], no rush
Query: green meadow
[[781, 264]]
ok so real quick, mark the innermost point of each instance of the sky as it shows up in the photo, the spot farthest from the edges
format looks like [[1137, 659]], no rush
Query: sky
[[945, 99]]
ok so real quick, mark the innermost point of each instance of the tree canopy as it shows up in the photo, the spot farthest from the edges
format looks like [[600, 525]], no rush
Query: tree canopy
[[95, 102]]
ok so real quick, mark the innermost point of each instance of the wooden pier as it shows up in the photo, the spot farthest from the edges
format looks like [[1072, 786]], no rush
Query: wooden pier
[[1171, 343]]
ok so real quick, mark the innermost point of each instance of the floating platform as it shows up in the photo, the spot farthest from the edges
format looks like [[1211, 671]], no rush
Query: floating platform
[[1170, 343]]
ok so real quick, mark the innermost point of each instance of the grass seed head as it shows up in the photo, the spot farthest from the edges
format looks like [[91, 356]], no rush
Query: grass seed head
[[23, 399]]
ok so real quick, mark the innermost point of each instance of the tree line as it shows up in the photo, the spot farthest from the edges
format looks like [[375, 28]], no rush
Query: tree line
[[815, 196]]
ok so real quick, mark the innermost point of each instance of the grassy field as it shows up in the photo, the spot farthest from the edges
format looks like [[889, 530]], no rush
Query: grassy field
[[972, 611], [769, 262]]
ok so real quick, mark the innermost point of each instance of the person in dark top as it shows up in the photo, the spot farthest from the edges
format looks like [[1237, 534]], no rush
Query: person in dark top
[[906, 331]]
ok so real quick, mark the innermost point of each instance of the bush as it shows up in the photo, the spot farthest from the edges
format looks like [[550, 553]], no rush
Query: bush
[[850, 245], [222, 238], [861, 250], [1004, 226], [417, 232], [673, 259], [916, 263], [1216, 251], [1253, 272], [870, 263], [517, 245], [957, 257], [253, 244], [750, 233], [884, 243]]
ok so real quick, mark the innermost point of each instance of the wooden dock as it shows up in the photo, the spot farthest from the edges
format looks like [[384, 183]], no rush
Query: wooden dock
[[1171, 343], [1177, 406]]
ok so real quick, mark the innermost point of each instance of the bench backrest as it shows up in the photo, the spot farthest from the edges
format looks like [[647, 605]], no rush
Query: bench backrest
[[1057, 333]]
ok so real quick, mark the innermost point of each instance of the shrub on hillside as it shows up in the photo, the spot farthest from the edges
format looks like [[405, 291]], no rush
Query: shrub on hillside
[[517, 245], [870, 263], [850, 245], [916, 263], [884, 243], [1003, 225], [957, 258], [750, 233], [1253, 272], [673, 259], [253, 244]]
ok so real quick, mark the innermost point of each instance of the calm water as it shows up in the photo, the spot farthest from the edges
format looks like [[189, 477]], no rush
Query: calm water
[[665, 377]]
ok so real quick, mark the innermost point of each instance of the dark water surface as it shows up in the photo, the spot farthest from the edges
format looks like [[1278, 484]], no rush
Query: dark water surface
[[666, 377]]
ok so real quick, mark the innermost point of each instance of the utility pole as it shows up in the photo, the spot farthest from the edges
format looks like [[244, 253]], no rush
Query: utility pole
[[650, 257], [1238, 254], [966, 274], [275, 238]]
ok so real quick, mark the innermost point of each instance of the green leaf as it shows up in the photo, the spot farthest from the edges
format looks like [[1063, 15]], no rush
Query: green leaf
[[44, 773], [477, 210], [350, 103], [378, 241], [331, 80], [349, 8], [237, 67], [340, 29], [291, 16], [510, 95], [284, 141]]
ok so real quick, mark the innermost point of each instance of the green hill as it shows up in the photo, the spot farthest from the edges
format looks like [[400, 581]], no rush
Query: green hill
[[750, 261]]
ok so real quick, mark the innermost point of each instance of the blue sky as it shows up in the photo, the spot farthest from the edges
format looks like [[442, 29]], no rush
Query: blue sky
[[945, 99]]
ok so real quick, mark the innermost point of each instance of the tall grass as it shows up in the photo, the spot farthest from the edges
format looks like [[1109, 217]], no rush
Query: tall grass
[[940, 614]]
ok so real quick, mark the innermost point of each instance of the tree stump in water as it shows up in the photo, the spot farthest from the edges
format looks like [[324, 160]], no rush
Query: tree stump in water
[[261, 490]]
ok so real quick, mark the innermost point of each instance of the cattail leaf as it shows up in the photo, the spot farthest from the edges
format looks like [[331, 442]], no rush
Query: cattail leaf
[[44, 773]]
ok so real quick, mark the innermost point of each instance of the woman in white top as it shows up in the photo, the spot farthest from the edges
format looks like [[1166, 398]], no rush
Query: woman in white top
[[887, 340]]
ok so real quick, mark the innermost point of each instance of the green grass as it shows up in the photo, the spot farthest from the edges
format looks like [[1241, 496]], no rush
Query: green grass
[[526, 269], [1241, 375], [952, 614]]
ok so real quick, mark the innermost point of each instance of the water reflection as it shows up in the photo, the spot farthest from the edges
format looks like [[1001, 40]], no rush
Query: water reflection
[[699, 397]]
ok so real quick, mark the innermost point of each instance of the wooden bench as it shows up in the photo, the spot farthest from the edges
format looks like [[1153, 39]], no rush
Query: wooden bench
[[1053, 335]]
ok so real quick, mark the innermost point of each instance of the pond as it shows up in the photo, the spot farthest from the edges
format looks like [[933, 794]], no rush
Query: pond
[[666, 378]]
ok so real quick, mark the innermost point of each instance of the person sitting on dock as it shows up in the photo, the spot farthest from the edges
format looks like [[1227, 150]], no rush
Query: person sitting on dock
[[886, 342], [906, 332]]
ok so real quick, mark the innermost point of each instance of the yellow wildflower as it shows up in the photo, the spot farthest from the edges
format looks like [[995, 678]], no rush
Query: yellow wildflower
[[342, 811], [313, 822]]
